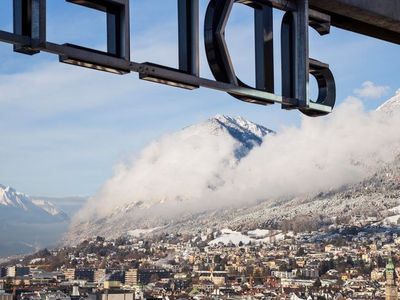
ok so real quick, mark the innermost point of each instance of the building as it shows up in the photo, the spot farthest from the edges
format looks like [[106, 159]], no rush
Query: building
[[100, 275], [84, 274], [116, 275], [131, 277], [152, 275], [377, 274], [108, 284], [5, 296], [216, 277], [17, 271], [112, 296], [391, 292], [3, 272], [308, 273], [69, 274]]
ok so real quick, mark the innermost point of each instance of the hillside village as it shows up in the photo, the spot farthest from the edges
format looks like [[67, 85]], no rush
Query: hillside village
[[339, 261]]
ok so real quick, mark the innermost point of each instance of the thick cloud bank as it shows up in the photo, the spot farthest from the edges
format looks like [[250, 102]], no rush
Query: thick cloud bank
[[195, 169]]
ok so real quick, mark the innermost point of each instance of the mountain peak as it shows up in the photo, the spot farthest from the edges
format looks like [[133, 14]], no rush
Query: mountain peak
[[243, 124], [16, 204], [247, 133], [196, 155]]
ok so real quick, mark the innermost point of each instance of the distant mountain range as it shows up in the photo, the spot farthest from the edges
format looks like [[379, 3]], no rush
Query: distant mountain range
[[19, 207], [28, 223]]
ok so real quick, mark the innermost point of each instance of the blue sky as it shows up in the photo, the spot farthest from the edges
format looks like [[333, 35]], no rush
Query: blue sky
[[64, 128]]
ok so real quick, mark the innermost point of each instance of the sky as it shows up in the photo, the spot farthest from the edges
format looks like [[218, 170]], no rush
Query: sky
[[64, 128]]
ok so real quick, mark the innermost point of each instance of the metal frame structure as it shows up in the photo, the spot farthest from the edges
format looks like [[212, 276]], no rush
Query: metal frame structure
[[381, 21]]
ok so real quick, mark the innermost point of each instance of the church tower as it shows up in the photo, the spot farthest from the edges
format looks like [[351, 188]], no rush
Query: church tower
[[391, 288]]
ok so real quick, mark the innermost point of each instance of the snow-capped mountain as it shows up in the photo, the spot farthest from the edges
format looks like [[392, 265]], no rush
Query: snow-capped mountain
[[163, 179], [15, 205], [173, 172], [51, 209], [26, 224], [246, 133]]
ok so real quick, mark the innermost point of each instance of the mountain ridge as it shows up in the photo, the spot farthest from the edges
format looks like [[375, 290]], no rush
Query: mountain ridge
[[365, 196], [28, 225], [24, 206], [233, 138]]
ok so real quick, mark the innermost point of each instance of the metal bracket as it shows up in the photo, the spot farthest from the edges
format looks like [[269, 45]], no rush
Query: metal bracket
[[118, 37], [189, 58]]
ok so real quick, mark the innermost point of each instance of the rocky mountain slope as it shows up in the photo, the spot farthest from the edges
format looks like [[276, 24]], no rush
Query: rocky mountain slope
[[376, 195], [221, 142]]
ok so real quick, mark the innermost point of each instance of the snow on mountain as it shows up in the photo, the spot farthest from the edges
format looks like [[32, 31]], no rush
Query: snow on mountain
[[15, 205], [11, 198], [246, 133], [232, 237], [28, 225], [50, 208], [392, 105], [171, 174], [176, 172]]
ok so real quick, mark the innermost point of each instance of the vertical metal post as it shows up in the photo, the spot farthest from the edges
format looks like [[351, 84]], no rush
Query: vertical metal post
[[302, 53], [113, 36], [288, 42], [188, 22], [38, 24], [30, 20], [118, 33], [22, 17], [264, 47]]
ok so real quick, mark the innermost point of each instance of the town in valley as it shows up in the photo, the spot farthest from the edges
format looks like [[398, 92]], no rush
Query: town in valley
[[357, 260]]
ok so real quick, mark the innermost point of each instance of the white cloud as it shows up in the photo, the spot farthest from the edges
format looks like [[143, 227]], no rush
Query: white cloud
[[371, 90], [179, 166], [173, 175], [398, 92]]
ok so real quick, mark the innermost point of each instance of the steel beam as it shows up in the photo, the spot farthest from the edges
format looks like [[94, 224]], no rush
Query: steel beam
[[376, 18], [118, 38]]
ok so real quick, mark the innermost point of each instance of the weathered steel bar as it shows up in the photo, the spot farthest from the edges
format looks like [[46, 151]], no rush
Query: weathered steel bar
[[30, 20], [264, 48], [151, 70], [188, 23], [15, 39], [301, 19], [376, 18], [88, 58]]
